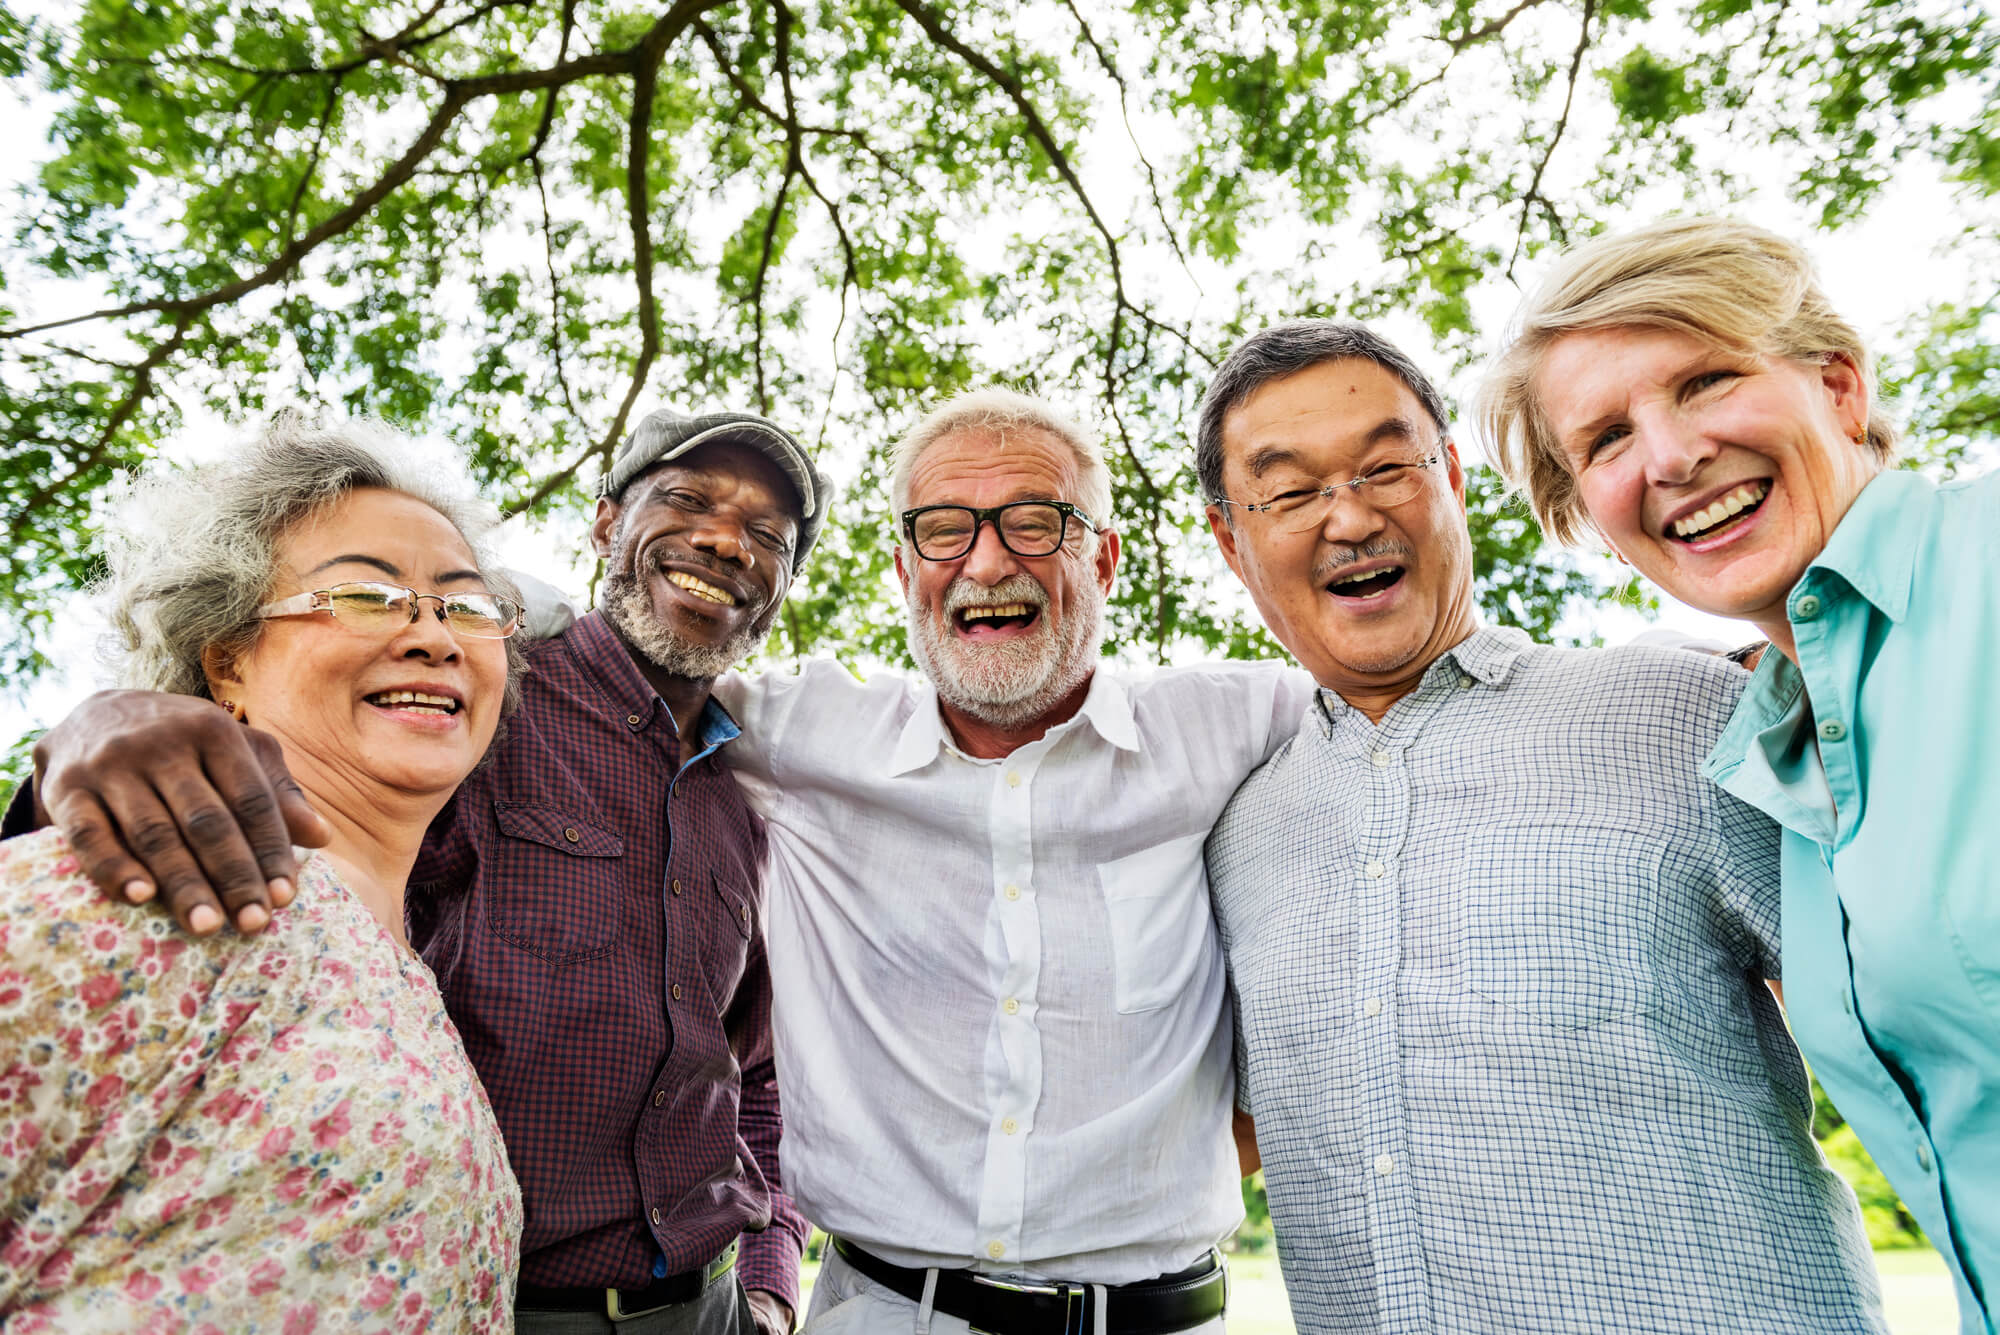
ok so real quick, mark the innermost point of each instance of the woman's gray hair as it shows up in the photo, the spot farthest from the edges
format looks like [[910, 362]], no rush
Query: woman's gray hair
[[192, 552]]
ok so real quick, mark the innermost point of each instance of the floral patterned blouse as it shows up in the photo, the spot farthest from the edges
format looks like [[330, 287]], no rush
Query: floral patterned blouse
[[226, 1134]]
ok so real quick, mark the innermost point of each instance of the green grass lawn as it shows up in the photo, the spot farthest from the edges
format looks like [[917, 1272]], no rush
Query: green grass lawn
[[1915, 1288]]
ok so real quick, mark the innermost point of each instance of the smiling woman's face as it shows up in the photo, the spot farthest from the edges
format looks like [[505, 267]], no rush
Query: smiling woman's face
[[336, 696], [1719, 476]]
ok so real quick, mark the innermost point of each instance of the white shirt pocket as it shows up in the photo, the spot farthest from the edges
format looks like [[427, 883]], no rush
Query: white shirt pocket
[[1162, 930]]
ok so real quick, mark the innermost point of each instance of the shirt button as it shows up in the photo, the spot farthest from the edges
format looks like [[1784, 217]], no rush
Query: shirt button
[[675, 991], [1009, 1125], [1379, 759], [996, 1250], [659, 1097], [677, 885], [1013, 781], [1806, 608], [1011, 1006], [1013, 892], [746, 915], [656, 1214], [1832, 730], [1375, 871], [1384, 1165], [1924, 1157], [1372, 1006], [571, 835], [1465, 683]]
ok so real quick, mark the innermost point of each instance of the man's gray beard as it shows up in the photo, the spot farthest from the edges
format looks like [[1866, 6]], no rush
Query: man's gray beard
[[1011, 684], [629, 607]]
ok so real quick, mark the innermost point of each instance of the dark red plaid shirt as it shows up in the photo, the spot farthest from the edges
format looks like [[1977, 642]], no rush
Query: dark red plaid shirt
[[591, 907]]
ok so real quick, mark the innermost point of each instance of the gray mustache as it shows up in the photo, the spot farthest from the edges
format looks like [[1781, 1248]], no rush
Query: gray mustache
[[1334, 562]]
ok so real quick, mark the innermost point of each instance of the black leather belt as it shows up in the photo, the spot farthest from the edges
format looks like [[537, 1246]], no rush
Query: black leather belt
[[1028, 1307], [623, 1304]]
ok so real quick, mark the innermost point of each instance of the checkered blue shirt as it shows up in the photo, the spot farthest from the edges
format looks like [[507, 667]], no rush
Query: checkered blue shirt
[[1500, 1017]]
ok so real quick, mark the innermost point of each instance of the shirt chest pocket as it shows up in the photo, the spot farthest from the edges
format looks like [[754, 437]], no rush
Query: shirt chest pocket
[[728, 940], [1162, 932], [1559, 919], [554, 887]]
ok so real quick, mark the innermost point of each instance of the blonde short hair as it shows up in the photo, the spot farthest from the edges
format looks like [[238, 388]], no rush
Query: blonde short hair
[[1727, 283], [1001, 412]]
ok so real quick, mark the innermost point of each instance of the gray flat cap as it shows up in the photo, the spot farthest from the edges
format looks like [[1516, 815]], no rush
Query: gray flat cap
[[665, 434]]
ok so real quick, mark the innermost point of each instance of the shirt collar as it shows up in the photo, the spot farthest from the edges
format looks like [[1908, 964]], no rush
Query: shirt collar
[[1107, 707], [1487, 656], [604, 658], [1871, 548]]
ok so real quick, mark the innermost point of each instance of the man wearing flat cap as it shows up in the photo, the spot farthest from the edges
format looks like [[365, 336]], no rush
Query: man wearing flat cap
[[592, 907], [591, 901]]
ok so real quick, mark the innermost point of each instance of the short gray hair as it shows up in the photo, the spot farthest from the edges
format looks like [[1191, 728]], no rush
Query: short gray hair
[[999, 412], [1286, 349], [192, 552]]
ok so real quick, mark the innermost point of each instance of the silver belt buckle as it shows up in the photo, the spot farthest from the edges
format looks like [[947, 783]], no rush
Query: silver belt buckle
[[1074, 1296]]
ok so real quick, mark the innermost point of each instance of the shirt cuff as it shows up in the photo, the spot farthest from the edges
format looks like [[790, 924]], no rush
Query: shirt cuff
[[770, 1260]]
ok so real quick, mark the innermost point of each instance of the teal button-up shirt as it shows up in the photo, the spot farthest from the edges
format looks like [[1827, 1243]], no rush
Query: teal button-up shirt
[[1879, 754]]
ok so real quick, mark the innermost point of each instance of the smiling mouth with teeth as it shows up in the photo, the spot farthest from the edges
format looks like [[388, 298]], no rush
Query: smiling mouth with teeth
[[1366, 584], [700, 588], [996, 615], [1723, 510], [413, 700]]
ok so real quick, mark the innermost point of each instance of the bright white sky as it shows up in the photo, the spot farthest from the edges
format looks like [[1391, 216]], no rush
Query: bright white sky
[[1879, 271]]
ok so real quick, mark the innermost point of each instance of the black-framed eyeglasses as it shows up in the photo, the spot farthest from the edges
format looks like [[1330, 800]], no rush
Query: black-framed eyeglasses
[[1306, 505], [366, 605], [1026, 528]]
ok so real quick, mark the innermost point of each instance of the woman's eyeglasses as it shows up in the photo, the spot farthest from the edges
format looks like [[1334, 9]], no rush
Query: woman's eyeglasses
[[368, 606]]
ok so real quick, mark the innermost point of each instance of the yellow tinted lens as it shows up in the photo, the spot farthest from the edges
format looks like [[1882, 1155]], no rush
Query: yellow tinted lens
[[479, 614], [370, 606]]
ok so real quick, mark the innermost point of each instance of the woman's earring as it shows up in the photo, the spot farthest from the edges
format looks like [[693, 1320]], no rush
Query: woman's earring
[[235, 710]]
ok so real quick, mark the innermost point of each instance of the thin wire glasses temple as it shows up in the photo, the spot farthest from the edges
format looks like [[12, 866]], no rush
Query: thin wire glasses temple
[[367, 605], [1026, 528], [1384, 487]]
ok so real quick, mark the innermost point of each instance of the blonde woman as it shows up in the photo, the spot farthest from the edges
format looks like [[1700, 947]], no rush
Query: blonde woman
[[1687, 393]]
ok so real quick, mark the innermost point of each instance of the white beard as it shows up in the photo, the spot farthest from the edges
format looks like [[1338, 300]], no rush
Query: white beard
[[1013, 683]]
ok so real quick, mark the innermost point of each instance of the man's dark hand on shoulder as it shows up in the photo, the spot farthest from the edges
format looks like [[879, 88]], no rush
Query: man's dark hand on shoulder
[[171, 795]]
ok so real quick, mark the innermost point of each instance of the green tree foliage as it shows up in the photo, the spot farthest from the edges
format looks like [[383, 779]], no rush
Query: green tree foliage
[[517, 221]]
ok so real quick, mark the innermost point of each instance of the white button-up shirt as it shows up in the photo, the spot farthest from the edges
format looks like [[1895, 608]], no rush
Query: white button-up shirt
[[1001, 1021]]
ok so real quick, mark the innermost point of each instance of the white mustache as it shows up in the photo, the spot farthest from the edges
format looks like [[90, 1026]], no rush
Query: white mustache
[[963, 593]]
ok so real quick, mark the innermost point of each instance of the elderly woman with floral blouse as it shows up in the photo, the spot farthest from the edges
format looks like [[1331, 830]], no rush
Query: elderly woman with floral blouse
[[274, 1132], [1688, 392]]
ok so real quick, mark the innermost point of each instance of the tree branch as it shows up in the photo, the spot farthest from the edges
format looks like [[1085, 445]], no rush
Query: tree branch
[[1534, 195], [312, 162], [142, 386], [1125, 112], [644, 56], [1493, 27], [638, 198]]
